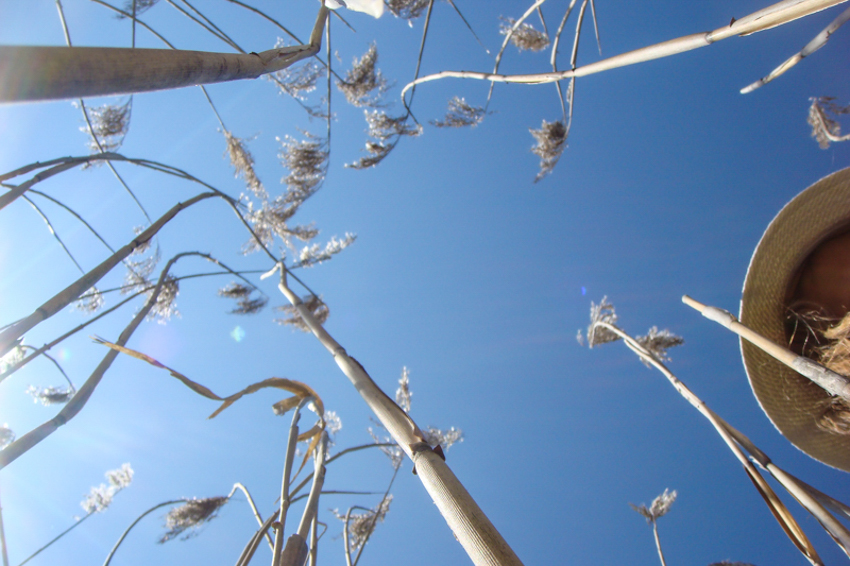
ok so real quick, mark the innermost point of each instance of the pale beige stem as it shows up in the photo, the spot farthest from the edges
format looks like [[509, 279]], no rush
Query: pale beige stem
[[772, 16], [833, 382], [479, 538], [780, 512], [52, 73]]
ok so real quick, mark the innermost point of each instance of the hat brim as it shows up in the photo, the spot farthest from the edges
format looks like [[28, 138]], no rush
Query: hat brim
[[791, 401]]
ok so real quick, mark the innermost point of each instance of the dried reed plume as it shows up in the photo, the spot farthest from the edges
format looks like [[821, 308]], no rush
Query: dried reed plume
[[364, 85], [109, 124], [319, 310], [659, 507], [314, 255], [51, 395], [658, 342], [244, 303], [444, 438], [524, 37], [361, 525], [271, 220], [381, 129], [403, 394], [243, 164], [551, 141], [823, 114], [460, 114], [91, 302], [307, 163], [141, 7], [407, 9], [100, 497], [191, 515]]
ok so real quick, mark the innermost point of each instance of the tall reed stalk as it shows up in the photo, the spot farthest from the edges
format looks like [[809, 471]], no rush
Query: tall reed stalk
[[52, 73], [479, 538]]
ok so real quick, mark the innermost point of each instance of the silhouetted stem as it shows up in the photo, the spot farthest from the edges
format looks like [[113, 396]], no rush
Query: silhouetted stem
[[81, 397], [57, 537], [134, 523], [10, 335]]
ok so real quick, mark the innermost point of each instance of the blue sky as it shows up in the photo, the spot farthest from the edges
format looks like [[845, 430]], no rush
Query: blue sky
[[464, 271]]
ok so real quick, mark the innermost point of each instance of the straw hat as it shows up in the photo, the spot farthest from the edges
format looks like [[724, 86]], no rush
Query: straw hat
[[791, 401]]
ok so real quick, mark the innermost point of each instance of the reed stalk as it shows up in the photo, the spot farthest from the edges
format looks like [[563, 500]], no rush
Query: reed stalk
[[775, 15], [54, 73], [831, 381], [811, 499], [479, 538]]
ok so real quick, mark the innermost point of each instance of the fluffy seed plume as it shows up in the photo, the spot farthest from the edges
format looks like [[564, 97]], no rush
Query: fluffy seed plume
[[190, 516], [51, 395], [600, 314], [444, 437], [166, 306], [823, 114], [314, 255], [382, 128], [307, 163], [91, 302], [403, 394], [242, 294], [271, 219], [362, 525], [658, 342], [141, 7], [243, 164], [524, 37], [660, 506], [551, 141], [319, 310], [110, 124], [100, 497], [460, 114], [297, 80], [364, 85], [407, 9]]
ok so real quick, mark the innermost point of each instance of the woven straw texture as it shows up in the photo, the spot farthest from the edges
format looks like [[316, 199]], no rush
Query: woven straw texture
[[789, 399]]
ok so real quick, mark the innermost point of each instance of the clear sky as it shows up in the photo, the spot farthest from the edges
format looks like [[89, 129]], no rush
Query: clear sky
[[465, 271]]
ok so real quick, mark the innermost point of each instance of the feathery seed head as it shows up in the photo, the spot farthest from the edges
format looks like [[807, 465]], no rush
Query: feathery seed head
[[191, 515], [524, 37], [51, 395], [403, 394], [551, 141], [460, 114], [364, 85]]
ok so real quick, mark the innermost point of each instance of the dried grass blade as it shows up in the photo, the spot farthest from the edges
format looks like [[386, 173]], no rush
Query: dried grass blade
[[301, 390], [196, 387], [784, 517]]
